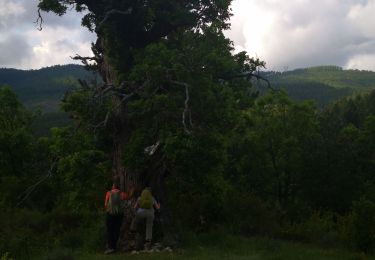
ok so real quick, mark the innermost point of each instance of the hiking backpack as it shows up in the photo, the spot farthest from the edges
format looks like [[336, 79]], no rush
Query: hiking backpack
[[115, 204]]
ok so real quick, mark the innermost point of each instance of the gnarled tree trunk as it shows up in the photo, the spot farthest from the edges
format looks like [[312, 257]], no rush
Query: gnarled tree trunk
[[131, 182]]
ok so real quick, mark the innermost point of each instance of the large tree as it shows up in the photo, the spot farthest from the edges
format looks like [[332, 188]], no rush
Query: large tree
[[172, 89]]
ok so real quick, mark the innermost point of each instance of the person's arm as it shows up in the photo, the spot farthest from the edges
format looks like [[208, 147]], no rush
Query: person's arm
[[156, 204], [136, 205], [127, 195], [124, 196], [106, 200]]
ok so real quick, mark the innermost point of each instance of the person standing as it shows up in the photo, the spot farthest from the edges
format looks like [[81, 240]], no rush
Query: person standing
[[114, 206], [145, 206]]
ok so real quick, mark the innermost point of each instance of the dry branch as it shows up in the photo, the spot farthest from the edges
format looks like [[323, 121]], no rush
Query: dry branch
[[186, 108], [39, 21], [250, 75], [32, 188]]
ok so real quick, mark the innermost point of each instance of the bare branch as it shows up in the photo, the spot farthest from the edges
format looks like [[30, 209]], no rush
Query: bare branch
[[150, 150], [39, 21], [79, 57], [86, 60], [117, 91], [32, 188], [186, 108], [250, 75], [104, 122], [258, 77]]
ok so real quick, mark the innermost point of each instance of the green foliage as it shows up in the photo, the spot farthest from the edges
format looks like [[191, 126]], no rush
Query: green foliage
[[269, 154], [6, 256], [248, 215], [20, 153], [45, 87], [81, 169], [364, 225], [321, 228], [324, 84], [330, 75]]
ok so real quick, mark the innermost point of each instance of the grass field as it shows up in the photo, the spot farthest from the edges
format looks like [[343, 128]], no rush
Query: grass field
[[239, 248]]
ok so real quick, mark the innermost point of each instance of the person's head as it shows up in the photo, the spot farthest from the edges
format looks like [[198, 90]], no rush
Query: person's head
[[116, 183]]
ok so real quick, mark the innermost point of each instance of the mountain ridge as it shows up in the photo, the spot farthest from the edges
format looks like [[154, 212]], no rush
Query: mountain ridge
[[45, 87]]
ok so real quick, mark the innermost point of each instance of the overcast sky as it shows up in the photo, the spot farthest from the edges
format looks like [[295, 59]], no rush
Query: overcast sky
[[287, 34]]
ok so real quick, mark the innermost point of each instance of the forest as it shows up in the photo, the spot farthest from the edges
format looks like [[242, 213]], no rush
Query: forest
[[241, 169]]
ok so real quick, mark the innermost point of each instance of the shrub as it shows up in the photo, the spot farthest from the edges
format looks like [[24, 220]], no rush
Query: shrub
[[249, 215], [320, 228], [363, 225]]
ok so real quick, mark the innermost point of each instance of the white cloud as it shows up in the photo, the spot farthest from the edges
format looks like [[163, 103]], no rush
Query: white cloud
[[362, 16], [363, 61], [300, 33], [55, 45]]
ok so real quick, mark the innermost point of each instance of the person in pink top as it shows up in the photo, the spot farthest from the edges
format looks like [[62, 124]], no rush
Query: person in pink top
[[114, 207]]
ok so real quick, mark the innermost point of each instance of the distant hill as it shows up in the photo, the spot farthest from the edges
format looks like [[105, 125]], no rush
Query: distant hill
[[45, 87], [323, 83]]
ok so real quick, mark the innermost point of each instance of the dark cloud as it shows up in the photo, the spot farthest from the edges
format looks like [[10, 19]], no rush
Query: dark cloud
[[14, 51], [24, 13], [60, 38]]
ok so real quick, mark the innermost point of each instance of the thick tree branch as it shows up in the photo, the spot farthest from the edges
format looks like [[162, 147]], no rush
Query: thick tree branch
[[85, 60], [124, 97], [109, 14], [79, 57]]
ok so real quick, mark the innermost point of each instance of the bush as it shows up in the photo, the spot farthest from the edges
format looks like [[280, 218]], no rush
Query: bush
[[247, 214], [363, 225], [6, 256], [320, 228]]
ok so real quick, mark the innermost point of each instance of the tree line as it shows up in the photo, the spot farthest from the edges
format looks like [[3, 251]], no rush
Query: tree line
[[280, 167]]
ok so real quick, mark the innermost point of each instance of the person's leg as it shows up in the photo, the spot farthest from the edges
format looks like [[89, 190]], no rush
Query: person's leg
[[135, 222], [149, 225], [109, 223], [116, 229]]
